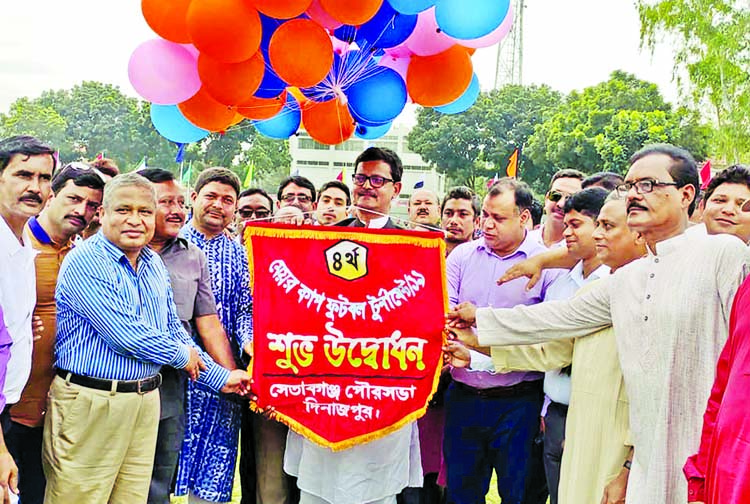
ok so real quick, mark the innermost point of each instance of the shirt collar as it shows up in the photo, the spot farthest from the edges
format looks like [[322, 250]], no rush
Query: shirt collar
[[576, 274], [528, 246], [378, 222], [9, 240], [176, 242], [38, 232], [669, 245]]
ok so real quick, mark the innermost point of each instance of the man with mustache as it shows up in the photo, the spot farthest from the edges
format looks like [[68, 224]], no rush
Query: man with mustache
[[75, 200], [299, 192], [424, 210], [213, 419], [670, 312], [564, 183], [460, 216], [26, 167], [334, 200], [196, 308]]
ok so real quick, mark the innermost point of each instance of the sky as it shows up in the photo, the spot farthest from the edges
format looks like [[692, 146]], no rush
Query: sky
[[53, 44]]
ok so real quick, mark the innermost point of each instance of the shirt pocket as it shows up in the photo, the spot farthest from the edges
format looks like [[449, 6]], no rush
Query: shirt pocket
[[185, 289]]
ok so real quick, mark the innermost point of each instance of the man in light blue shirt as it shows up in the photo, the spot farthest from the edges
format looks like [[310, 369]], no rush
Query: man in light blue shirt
[[117, 325]]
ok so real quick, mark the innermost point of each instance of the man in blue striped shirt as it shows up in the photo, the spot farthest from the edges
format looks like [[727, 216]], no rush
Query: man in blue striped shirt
[[117, 325]]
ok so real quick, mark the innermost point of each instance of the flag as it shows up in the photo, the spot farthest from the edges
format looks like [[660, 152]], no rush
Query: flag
[[249, 175], [419, 184], [142, 165], [180, 157], [491, 181], [512, 169], [188, 174], [100, 156], [706, 174], [342, 174], [56, 155]]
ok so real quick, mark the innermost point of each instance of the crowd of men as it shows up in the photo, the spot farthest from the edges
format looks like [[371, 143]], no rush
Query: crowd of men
[[126, 327]]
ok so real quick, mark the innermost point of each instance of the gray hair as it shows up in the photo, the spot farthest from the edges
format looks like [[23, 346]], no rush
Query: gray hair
[[131, 179]]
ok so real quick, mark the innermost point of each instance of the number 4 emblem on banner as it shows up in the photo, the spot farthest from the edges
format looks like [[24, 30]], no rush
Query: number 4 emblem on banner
[[347, 260]]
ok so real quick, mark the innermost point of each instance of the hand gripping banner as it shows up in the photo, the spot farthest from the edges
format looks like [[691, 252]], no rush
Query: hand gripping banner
[[348, 328]]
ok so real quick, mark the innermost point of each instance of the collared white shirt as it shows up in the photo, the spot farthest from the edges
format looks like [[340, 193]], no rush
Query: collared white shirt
[[18, 299], [557, 384], [538, 235], [378, 223]]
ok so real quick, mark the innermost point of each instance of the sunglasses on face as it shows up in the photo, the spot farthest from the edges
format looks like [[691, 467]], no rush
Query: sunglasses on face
[[555, 196], [259, 213]]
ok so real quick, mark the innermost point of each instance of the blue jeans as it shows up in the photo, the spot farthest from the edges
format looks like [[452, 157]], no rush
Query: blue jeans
[[486, 433]]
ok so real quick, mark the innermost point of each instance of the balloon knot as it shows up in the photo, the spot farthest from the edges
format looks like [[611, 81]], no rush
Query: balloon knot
[[340, 95]]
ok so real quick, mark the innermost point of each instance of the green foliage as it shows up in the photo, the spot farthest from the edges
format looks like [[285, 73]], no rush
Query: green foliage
[[473, 146], [94, 117], [710, 42], [598, 128]]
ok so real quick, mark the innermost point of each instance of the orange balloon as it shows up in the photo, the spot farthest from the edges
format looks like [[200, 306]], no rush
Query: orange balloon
[[294, 91], [205, 112], [439, 79], [352, 12], [167, 19], [301, 52], [281, 9], [238, 118], [262, 108], [328, 122], [226, 30], [231, 83]]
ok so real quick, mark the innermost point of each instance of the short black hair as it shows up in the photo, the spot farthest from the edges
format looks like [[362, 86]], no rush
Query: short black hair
[[218, 174], [464, 193], [81, 174], [26, 146], [336, 184], [385, 155], [537, 211], [157, 175], [567, 173], [607, 180], [683, 170], [297, 180], [587, 201], [257, 190], [735, 174], [523, 196]]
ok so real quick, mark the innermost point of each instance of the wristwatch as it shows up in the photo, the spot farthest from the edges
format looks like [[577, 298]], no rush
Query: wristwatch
[[627, 464]]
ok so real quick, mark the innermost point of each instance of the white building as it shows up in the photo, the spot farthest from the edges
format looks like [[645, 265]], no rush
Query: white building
[[322, 163]]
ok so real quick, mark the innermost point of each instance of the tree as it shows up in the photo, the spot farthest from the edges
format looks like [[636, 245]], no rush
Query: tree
[[478, 142], [598, 128], [710, 43]]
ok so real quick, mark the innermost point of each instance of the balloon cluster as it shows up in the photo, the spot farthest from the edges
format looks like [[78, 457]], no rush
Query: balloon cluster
[[337, 67]]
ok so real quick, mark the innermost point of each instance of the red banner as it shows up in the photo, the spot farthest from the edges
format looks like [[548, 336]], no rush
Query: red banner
[[348, 328]]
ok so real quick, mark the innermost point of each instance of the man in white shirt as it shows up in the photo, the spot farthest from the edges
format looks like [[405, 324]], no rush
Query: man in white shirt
[[670, 313], [26, 167]]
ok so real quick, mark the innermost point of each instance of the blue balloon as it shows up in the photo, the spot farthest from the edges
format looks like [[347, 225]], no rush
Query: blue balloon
[[269, 26], [172, 125], [378, 98], [387, 28], [470, 19], [371, 132], [411, 6], [271, 86], [345, 33], [463, 102], [284, 124]]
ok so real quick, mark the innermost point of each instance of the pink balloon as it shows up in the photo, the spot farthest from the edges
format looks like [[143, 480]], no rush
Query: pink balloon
[[192, 50], [340, 47], [399, 64], [400, 51], [427, 39], [163, 72], [320, 16], [494, 36]]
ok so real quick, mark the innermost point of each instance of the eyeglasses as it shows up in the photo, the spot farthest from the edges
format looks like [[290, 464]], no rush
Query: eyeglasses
[[376, 181], [745, 206], [302, 198], [76, 169], [644, 186], [555, 196], [259, 213]]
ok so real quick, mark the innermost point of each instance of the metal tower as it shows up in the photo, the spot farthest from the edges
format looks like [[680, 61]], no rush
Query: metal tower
[[509, 66]]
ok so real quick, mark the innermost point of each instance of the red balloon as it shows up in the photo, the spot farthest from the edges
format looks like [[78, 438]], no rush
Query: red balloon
[[167, 19], [286, 9], [226, 30], [205, 112], [262, 108], [439, 79], [301, 52], [231, 83], [352, 12], [328, 122]]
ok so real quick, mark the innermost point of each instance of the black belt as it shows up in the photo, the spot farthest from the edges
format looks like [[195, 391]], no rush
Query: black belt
[[521, 388], [140, 386]]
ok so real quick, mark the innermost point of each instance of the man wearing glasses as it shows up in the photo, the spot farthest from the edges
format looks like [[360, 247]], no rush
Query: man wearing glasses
[[76, 197], [377, 182], [670, 312], [299, 192], [252, 204], [564, 183]]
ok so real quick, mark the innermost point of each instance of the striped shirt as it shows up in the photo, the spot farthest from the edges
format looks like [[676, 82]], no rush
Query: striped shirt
[[117, 323]]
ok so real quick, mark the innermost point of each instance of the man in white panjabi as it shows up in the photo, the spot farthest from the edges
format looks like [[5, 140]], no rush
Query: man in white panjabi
[[670, 312]]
